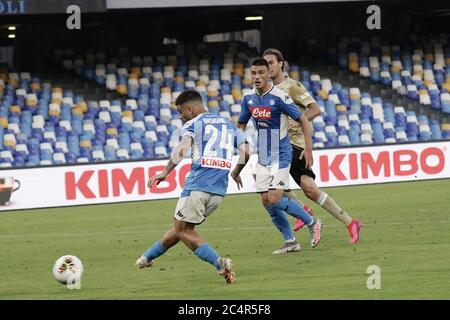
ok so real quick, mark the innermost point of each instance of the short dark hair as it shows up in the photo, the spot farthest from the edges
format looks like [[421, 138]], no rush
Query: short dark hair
[[188, 96], [260, 62], [277, 53]]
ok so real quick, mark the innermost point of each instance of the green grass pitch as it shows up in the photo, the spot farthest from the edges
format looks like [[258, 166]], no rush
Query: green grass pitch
[[406, 233]]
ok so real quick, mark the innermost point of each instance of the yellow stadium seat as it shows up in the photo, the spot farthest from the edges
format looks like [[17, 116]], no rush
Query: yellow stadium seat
[[136, 71], [446, 86], [179, 79], [54, 113], [82, 106], [418, 73], [341, 107], [13, 82], [14, 108], [166, 90], [77, 111], [212, 93], [354, 96], [235, 119], [246, 81], [127, 114], [9, 143], [353, 66], [57, 89], [323, 94], [56, 100], [294, 75], [396, 69], [111, 131], [239, 69], [122, 89], [447, 60], [423, 91], [237, 94], [428, 82], [213, 103], [4, 122], [133, 76], [31, 102], [86, 144]]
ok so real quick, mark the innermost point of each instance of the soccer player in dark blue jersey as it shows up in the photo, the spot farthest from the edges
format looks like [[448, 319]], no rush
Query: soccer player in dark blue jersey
[[270, 108], [212, 140]]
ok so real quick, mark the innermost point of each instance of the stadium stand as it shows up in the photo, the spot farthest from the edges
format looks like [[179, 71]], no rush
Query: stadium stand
[[43, 124]]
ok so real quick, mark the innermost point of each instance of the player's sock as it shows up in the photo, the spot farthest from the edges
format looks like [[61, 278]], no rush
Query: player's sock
[[155, 251], [208, 254], [294, 209], [328, 203], [279, 219], [291, 195]]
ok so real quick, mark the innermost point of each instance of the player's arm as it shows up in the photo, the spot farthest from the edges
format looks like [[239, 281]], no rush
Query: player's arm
[[244, 117], [244, 156], [177, 155], [291, 109], [301, 96], [307, 152], [312, 111]]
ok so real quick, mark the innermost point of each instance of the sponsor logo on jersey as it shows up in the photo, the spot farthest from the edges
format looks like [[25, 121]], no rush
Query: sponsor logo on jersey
[[261, 113], [216, 163], [272, 102], [250, 101], [263, 124]]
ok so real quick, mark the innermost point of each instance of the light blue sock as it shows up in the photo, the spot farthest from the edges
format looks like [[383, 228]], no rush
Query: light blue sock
[[279, 219], [292, 208], [208, 254], [155, 251]]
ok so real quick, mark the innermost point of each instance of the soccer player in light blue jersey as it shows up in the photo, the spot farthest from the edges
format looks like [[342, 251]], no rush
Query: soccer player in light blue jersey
[[270, 108], [212, 140]]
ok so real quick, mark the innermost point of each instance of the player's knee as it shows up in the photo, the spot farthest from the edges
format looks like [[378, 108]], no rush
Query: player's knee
[[312, 193], [181, 234], [274, 198], [166, 242]]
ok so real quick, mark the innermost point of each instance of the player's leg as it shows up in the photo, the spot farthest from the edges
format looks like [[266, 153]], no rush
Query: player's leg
[[298, 222], [158, 248], [311, 190], [298, 168], [275, 196], [278, 217], [199, 206]]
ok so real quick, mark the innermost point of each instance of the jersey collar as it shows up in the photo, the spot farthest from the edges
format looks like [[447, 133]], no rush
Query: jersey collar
[[262, 95]]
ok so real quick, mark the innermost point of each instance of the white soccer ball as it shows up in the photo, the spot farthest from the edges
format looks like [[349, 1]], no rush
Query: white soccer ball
[[68, 269]]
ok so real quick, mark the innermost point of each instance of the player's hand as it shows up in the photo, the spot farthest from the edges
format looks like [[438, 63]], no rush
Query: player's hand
[[158, 178], [236, 177], [307, 155]]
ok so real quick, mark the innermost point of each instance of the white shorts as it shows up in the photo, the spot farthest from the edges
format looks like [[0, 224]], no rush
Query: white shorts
[[271, 177], [197, 206]]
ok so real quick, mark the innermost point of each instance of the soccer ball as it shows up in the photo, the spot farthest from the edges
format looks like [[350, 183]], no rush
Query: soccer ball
[[68, 269]]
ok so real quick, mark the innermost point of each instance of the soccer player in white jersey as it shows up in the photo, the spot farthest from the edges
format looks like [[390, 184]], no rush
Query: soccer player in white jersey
[[270, 107], [213, 140], [301, 173]]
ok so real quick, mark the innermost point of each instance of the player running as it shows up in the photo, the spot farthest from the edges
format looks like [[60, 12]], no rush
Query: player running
[[213, 140], [270, 108], [300, 172]]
